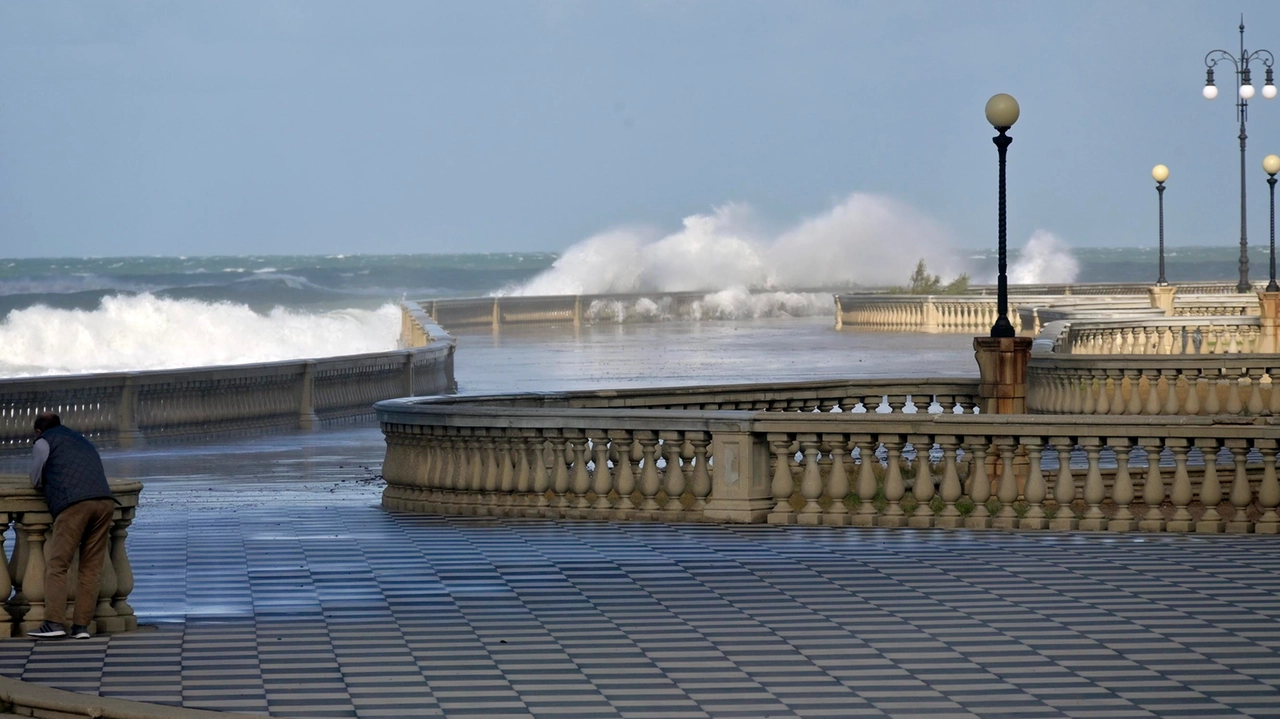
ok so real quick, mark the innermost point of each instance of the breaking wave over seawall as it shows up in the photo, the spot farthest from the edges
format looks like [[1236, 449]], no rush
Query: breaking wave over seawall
[[141, 332]]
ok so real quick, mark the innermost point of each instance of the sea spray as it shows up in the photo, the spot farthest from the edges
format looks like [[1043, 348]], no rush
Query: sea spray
[[1045, 259], [147, 332], [868, 240]]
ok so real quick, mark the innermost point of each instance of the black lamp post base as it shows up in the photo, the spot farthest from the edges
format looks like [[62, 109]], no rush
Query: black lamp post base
[[1003, 328]]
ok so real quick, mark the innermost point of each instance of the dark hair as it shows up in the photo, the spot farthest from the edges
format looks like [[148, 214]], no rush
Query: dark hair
[[47, 420]]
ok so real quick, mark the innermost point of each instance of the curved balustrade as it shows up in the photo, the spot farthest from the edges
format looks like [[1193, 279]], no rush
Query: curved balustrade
[[548, 456], [919, 313], [1241, 385], [22, 585], [129, 407], [1168, 336]]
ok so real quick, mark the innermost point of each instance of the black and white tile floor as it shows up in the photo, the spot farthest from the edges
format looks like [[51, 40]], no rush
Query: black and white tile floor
[[308, 600]]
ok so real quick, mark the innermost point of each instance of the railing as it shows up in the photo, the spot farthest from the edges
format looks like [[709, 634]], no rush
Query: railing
[[1167, 336], [1245, 385], [547, 456], [576, 310], [125, 408], [25, 510], [919, 313]]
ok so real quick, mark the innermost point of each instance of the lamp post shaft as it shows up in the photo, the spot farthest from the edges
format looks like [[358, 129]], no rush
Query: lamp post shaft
[[1160, 191], [1002, 327], [1272, 286], [1243, 285]]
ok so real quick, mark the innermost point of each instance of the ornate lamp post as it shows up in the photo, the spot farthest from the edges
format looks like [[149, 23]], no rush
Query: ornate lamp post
[[1160, 173], [1002, 112], [1244, 92], [1271, 163]]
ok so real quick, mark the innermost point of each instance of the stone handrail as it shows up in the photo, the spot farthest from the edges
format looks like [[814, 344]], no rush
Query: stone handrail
[[1172, 385], [33, 700], [532, 455], [1112, 288], [1164, 336], [128, 408], [25, 510], [920, 313]]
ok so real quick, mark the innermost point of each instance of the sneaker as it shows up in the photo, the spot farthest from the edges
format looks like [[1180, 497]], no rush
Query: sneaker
[[80, 631], [48, 630]]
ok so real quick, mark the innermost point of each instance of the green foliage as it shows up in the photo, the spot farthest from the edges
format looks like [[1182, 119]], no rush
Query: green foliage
[[853, 502], [909, 504], [994, 506], [1020, 508], [880, 502], [964, 506], [923, 283], [937, 504]]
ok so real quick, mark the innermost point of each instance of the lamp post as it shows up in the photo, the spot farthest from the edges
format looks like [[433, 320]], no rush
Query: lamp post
[[1271, 163], [1244, 92], [1002, 111], [1160, 173]]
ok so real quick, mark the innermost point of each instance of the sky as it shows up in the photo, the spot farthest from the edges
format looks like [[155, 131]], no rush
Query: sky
[[397, 126]]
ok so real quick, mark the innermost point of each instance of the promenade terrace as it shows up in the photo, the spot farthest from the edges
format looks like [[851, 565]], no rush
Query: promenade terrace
[[332, 606]]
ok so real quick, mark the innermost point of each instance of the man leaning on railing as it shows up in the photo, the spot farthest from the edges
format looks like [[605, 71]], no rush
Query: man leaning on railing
[[69, 470]]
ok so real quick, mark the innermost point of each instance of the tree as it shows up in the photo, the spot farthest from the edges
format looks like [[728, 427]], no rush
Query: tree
[[923, 283]]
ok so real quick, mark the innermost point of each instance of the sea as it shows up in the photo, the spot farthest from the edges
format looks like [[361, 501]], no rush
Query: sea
[[81, 315]]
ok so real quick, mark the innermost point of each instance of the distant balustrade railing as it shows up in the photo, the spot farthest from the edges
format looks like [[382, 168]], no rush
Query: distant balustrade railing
[[552, 456], [919, 313], [125, 408], [22, 586], [1164, 336], [1240, 385]]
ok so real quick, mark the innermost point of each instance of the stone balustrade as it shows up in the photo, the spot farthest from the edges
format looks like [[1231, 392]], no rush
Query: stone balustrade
[[550, 456], [128, 408], [1233, 305], [25, 510], [1165, 336], [1240, 385], [919, 313]]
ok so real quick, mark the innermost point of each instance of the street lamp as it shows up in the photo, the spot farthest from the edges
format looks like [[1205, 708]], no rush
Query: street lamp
[[1002, 112], [1244, 92], [1271, 163], [1160, 173]]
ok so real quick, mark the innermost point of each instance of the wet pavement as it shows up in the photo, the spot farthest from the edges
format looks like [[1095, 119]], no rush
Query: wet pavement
[[269, 579]]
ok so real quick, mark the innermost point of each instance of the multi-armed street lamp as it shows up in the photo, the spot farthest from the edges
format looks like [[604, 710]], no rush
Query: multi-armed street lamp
[[1271, 163], [1244, 92], [1160, 173], [1002, 112]]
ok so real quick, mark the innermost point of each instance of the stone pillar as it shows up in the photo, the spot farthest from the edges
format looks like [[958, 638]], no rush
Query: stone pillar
[[1162, 298], [307, 418], [741, 489], [1002, 366], [127, 431], [1269, 305]]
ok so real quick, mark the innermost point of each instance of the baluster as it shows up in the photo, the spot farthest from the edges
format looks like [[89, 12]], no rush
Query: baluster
[[1269, 490], [701, 484], [123, 570], [1241, 493], [1235, 402], [506, 472], [626, 480], [104, 615], [783, 481], [1192, 405], [1035, 490], [810, 480], [580, 482], [1064, 486], [1103, 405], [35, 524], [541, 479], [951, 489], [673, 446], [896, 403], [475, 460], [1181, 494], [837, 481], [1210, 488], [6, 581], [1007, 486], [1153, 492], [602, 484], [523, 484], [979, 483], [894, 486], [866, 481], [923, 489], [1273, 374], [1153, 403], [1116, 383], [1082, 400], [560, 482], [1094, 491], [1255, 405], [1212, 404], [1171, 391]]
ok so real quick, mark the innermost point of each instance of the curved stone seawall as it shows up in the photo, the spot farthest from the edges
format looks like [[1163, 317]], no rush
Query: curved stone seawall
[[127, 408]]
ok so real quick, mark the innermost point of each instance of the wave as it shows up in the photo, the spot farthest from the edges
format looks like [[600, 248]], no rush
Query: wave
[[1045, 259], [148, 332], [735, 303]]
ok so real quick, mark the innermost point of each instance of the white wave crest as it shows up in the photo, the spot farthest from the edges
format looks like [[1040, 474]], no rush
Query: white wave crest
[[865, 240], [732, 304], [147, 332], [1045, 259]]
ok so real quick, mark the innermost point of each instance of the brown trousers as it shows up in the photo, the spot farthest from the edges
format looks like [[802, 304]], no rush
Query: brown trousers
[[84, 525]]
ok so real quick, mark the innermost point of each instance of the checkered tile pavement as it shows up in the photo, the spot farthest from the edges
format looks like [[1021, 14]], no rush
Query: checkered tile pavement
[[312, 601]]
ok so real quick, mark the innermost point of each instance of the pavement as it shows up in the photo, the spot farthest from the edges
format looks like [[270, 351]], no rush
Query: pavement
[[269, 579]]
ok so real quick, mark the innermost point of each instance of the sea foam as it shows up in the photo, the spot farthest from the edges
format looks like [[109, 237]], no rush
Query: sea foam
[[147, 332]]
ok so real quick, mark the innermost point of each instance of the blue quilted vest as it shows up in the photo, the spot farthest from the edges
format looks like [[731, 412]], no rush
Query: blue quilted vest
[[73, 472]]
